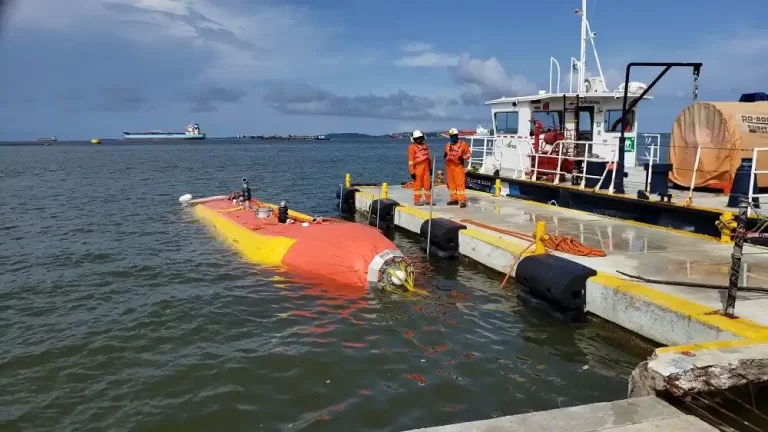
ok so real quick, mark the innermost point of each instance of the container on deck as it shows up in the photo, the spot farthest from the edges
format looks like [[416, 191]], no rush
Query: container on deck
[[596, 169], [263, 212], [659, 178], [741, 184]]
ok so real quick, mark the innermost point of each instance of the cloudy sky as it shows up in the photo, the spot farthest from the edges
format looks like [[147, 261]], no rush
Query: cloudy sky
[[82, 68]]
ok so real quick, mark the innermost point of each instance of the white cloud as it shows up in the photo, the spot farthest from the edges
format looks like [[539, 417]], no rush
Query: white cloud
[[486, 79], [416, 47], [243, 44], [731, 63], [428, 59]]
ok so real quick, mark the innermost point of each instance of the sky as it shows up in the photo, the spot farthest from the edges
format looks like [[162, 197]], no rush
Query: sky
[[95, 68]]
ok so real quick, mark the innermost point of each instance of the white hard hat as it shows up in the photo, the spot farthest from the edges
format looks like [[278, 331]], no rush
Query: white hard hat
[[417, 134], [453, 131]]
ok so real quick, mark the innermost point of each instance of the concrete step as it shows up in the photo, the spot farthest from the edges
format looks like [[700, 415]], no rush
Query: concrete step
[[630, 415]]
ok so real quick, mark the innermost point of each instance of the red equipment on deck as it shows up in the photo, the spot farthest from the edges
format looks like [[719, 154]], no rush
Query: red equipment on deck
[[548, 154]]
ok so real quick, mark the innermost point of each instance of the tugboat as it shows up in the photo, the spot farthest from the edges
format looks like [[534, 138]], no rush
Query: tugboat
[[580, 148], [192, 132]]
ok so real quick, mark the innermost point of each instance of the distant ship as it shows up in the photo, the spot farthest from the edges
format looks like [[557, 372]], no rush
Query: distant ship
[[322, 138], [47, 140], [481, 131], [191, 133]]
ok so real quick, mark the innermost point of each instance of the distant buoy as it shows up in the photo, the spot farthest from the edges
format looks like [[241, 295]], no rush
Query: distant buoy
[[185, 198], [95, 141]]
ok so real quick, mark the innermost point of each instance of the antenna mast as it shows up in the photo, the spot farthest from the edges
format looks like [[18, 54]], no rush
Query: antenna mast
[[583, 47]]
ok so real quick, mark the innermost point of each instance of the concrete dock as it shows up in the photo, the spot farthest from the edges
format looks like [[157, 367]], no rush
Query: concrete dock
[[703, 350], [633, 415], [667, 314]]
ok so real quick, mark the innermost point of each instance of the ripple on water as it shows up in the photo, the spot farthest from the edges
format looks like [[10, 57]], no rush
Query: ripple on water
[[127, 314]]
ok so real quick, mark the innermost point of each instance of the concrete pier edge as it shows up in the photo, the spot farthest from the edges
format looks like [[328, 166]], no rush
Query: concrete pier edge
[[651, 313], [701, 345]]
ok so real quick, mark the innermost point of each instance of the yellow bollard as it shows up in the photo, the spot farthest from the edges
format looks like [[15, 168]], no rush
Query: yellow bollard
[[347, 180], [497, 192], [726, 223], [383, 191], [540, 235]]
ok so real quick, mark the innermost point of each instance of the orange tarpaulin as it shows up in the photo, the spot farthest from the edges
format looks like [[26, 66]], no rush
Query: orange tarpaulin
[[727, 132]]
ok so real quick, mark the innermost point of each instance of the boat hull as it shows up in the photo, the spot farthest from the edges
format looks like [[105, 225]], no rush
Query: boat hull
[[339, 252], [157, 137]]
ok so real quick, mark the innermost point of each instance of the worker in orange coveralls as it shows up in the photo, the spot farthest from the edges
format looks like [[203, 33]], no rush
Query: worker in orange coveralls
[[420, 168], [456, 153]]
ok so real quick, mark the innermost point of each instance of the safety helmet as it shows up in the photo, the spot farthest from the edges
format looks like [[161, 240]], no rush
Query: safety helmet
[[453, 131], [417, 134]]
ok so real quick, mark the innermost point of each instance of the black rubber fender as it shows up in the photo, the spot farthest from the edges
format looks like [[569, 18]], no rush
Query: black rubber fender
[[445, 234], [347, 197], [560, 282], [384, 211], [530, 301]]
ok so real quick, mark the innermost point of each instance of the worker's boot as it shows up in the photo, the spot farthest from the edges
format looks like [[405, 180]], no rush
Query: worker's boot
[[463, 204], [419, 204], [452, 202]]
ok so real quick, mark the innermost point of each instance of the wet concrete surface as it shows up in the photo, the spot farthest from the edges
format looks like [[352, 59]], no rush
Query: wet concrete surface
[[632, 248]]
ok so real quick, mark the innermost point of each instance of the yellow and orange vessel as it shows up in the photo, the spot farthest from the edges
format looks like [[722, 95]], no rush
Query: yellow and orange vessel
[[331, 251]]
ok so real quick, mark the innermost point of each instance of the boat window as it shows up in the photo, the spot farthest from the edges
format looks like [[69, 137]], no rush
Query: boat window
[[612, 123], [585, 121], [548, 119], [506, 122]]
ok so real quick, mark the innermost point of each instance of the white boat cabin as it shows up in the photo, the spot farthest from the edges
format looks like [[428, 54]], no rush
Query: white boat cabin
[[591, 119], [588, 117]]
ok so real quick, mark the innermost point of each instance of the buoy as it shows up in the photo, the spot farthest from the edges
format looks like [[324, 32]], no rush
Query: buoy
[[185, 198], [95, 141]]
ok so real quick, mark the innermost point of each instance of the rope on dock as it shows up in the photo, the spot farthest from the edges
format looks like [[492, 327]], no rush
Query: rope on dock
[[563, 244], [691, 284]]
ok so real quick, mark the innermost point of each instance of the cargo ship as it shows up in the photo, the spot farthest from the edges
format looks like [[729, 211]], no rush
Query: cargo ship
[[192, 132]]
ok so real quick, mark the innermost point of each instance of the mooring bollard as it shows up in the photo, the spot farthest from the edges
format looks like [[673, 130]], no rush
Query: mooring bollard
[[735, 271], [497, 192], [539, 236], [384, 191]]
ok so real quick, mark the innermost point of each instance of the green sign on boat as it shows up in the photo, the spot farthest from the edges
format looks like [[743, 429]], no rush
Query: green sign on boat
[[629, 144]]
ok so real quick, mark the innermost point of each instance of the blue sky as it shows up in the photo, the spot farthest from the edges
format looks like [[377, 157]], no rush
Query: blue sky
[[82, 68]]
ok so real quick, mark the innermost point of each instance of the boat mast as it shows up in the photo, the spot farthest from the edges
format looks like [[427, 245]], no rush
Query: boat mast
[[587, 34], [583, 46]]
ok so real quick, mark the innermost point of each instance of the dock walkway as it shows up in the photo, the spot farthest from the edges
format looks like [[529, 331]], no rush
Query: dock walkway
[[670, 315], [633, 415]]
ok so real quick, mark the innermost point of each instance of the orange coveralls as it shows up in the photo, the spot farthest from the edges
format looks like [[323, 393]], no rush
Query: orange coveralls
[[455, 155], [419, 163]]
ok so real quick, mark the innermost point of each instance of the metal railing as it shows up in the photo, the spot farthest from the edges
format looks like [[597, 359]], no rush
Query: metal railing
[[753, 177], [554, 61], [493, 146], [568, 146], [489, 154]]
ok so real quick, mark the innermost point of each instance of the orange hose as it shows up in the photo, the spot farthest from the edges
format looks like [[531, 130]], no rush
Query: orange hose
[[563, 244]]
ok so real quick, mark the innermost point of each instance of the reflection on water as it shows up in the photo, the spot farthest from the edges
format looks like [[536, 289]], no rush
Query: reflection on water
[[127, 314]]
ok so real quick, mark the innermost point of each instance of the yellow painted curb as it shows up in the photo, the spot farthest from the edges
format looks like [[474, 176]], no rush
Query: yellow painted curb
[[740, 327]]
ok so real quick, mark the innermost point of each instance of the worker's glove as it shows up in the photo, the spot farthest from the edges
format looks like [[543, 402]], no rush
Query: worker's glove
[[413, 176]]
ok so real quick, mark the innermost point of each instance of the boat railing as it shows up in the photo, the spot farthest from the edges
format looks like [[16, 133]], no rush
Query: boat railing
[[486, 152], [565, 148], [653, 157], [753, 177], [553, 61], [480, 147]]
